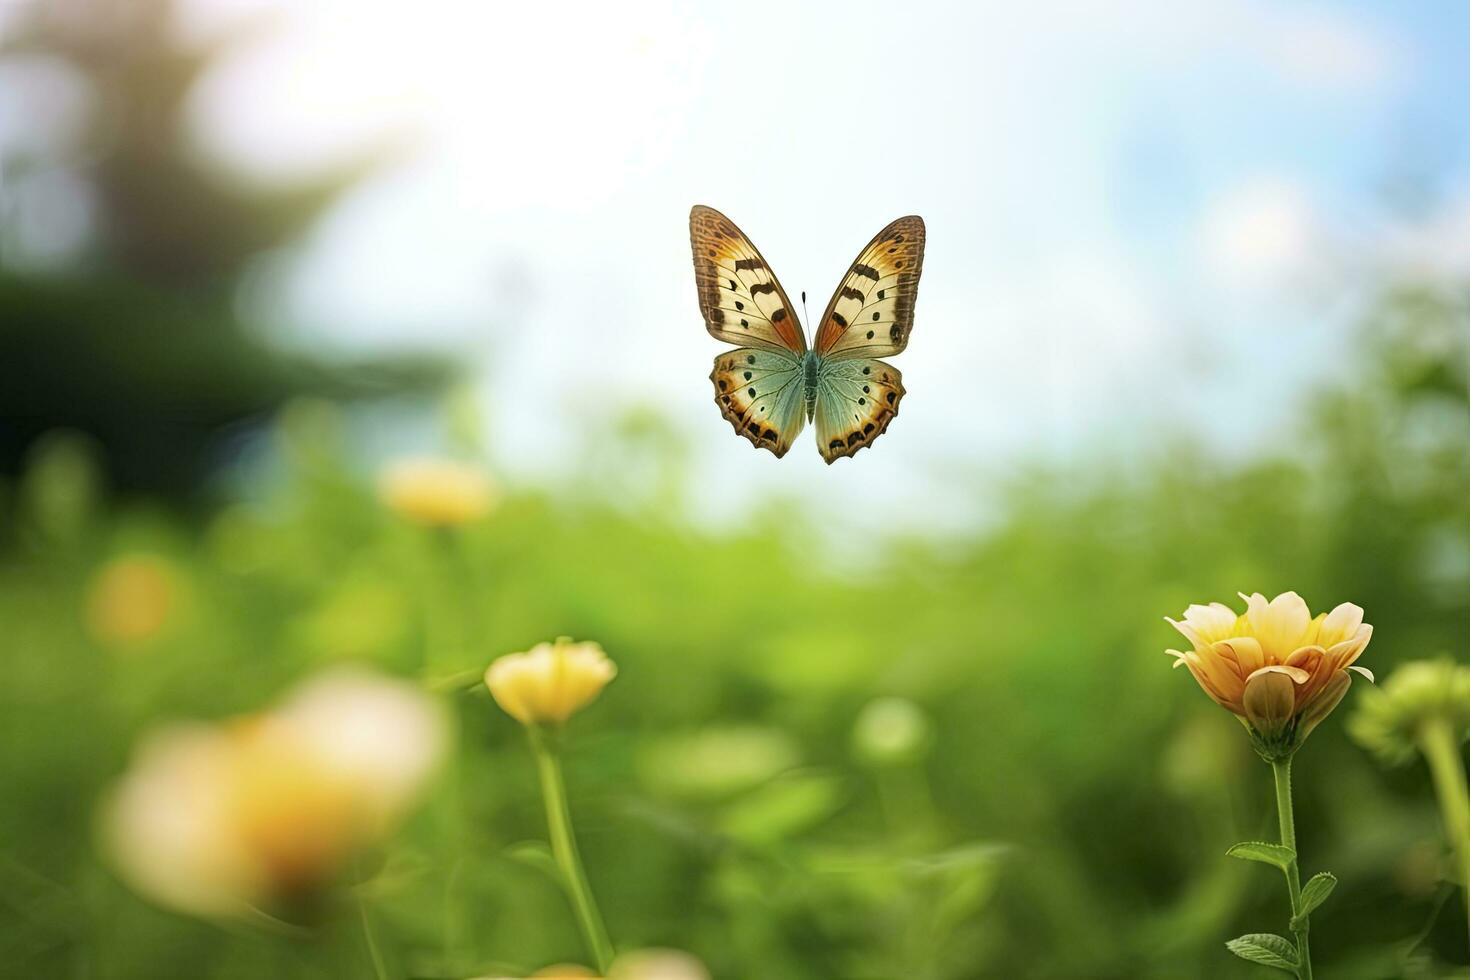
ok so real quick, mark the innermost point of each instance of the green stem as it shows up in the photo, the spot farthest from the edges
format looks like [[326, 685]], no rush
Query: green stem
[[380, 970], [564, 849], [1442, 750], [1281, 768]]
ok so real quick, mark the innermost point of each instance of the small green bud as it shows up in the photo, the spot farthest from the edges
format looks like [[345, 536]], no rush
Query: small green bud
[[1389, 719]]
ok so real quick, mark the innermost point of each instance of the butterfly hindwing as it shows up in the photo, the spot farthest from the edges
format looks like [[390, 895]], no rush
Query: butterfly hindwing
[[739, 296], [760, 392], [856, 399], [872, 311]]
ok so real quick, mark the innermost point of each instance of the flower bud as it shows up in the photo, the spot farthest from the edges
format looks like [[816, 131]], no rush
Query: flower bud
[[891, 731], [1389, 721]]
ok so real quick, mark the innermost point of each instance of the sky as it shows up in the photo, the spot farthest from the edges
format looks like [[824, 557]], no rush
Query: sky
[[1143, 218]]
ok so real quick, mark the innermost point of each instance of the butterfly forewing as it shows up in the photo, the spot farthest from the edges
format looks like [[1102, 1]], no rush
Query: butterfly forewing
[[872, 311], [856, 399], [739, 296], [760, 393]]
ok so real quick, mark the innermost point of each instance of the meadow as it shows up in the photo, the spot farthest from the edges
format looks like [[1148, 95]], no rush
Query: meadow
[[917, 759]]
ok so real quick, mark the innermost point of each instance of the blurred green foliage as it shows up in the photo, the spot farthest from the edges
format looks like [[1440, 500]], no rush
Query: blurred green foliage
[[134, 335], [1063, 801]]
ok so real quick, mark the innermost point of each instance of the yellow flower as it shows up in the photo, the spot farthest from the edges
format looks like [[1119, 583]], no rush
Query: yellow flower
[[550, 682], [222, 820], [642, 964], [132, 600], [1279, 669], [436, 492], [658, 964]]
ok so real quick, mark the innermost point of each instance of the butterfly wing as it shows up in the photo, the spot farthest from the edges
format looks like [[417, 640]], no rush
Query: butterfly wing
[[760, 392], [856, 399], [872, 311], [739, 296]]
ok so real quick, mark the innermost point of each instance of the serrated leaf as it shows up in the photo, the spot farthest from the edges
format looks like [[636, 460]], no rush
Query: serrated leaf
[[1314, 893], [1276, 855], [1265, 949]]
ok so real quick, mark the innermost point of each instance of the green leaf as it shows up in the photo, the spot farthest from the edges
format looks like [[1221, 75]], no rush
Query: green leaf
[[535, 854], [1265, 949], [1276, 855], [1314, 893]]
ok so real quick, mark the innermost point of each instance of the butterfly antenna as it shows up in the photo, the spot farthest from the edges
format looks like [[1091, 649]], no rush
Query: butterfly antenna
[[805, 316]]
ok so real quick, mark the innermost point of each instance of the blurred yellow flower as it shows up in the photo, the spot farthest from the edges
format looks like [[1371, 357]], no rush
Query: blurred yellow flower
[[132, 600], [219, 820], [436, 492], [1278, 668], [550, 682], [658, 964], [641, 964]]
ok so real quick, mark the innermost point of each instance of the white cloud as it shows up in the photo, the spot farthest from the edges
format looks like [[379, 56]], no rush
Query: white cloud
[[1328, 49], [1261, 233], [1436, 245]]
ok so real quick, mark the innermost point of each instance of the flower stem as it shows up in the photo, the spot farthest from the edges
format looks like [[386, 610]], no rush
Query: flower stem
[[1442, 750], [380, 970], [564, 849], [1281, 768]]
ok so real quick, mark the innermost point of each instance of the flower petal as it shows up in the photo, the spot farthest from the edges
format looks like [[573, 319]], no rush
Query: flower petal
[[1341, 624], [1213, 622], [1295, 673], [1322, 702], [1281, 624], [1307, 658], [1189, 632], [1246, 652], [1345, 653], [1270, 700], [1364, 671]]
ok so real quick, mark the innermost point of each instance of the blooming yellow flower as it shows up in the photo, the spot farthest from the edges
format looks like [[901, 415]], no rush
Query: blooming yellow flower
[[550, 682], [219, 820], [1278, 668], [436, 492]]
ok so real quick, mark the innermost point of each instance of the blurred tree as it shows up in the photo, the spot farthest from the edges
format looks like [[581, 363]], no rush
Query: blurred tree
[[121, 254]]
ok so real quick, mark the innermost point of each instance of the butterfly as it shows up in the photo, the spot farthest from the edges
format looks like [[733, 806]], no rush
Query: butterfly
[[773, 384]]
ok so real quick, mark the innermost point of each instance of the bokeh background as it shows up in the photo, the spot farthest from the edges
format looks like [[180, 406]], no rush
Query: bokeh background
[[1194, 320]]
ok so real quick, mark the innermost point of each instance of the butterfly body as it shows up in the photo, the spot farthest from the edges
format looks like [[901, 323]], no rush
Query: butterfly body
[[811, 368], [773, 383]]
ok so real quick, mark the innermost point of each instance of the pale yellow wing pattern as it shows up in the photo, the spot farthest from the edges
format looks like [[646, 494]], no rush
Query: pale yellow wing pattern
[[872, 311], [856, 399], [739, 296], [761, 393]]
